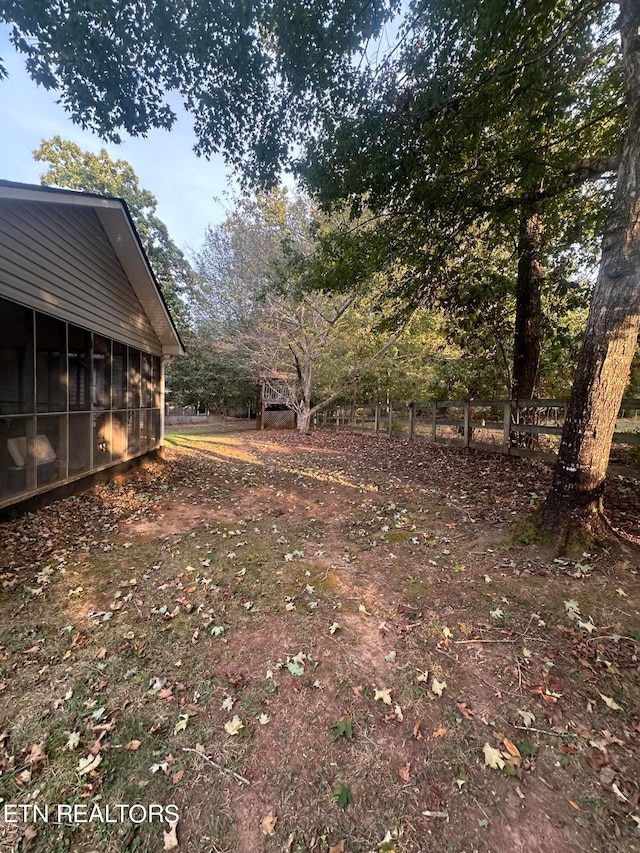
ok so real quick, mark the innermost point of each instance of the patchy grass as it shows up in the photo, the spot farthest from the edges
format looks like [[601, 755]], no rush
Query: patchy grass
[[406, 673]]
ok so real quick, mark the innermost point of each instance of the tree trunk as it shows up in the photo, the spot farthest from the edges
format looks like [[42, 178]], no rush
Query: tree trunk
[[575, 499], [304, 420], [528, 328]]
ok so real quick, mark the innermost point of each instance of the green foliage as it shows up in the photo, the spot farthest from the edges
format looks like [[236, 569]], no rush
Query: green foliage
[[343, 728], [254, 75], [343, 795], [484, 117], [205, 379]]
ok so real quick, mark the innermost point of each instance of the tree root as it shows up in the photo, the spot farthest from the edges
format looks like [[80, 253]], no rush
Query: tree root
[[568, 532]]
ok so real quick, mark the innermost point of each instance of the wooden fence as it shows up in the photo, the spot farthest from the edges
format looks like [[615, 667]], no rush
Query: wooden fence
[[530, 428]]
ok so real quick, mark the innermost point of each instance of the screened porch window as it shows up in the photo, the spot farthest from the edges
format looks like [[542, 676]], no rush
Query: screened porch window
[[71, 401]]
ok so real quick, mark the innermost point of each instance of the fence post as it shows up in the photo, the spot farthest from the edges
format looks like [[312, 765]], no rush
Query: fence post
[[353, 415], [434, 415], [390, 423], [506, 437], [465, 427], [412, 412], [376, 418]]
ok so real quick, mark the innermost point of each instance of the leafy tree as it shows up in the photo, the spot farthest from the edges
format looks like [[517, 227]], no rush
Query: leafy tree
[[71, 167], [206, 379], [251, 271], [255, 75], [490, 118]]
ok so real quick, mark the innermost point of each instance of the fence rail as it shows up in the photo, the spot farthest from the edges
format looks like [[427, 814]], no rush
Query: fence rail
[[528, 428]]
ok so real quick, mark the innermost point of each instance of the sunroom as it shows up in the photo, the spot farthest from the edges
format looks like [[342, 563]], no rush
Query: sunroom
[[84, 335]]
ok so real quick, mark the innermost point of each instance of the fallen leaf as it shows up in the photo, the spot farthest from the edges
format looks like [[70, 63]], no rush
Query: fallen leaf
[[177, 776], [37, 754], [234, 726], [619, 793], [133, 745], [405, 772], [337, 848], [416, 730], [383, 696], [343, 796], [438, 687], [73, 741], [466, 712], [268, 825], [343, 728], [610, 703], [181, 725], [88, 764], [441, 732], [513, 751], [171, 836], [527, 717], [493, 757]]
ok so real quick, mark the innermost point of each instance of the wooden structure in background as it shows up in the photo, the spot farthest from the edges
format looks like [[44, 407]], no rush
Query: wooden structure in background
[[274, 408]]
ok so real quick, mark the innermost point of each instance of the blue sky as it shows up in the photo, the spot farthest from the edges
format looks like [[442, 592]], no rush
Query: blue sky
[[186, 186]]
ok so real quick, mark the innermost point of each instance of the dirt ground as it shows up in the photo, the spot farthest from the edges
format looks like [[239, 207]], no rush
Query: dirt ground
[[329, 643]]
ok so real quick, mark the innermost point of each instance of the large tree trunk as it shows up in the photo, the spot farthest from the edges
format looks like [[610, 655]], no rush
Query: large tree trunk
[[527, 337], [528, 329], [303, 420], [575, 498]]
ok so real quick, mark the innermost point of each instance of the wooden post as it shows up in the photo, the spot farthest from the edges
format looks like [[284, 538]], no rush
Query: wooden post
[[353, 415], [506, 437], [434, 420], [412, 413], [376, 418], [465, 427], [390, 419]]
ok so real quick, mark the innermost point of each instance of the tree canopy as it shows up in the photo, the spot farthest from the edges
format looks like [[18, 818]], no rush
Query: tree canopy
[[254, 74]]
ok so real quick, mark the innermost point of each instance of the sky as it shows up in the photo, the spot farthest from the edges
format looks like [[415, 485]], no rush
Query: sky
[[190, 190]]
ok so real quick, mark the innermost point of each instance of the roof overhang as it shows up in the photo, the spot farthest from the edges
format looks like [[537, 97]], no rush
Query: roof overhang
[[116, 221]]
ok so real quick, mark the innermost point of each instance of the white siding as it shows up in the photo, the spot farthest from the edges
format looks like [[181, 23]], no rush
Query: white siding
[[57, 259]]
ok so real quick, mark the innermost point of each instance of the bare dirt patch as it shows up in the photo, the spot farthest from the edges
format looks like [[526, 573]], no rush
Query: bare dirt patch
[[340, 631]]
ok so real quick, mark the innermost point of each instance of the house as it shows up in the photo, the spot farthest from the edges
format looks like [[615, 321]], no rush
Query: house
[[84, 335]]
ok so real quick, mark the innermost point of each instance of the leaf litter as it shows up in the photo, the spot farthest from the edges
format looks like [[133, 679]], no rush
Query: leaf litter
[[145, 643]]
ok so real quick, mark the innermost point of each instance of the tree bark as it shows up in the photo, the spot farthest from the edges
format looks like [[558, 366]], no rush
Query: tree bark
[[303, 419], [575, 498], [528, 328]]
